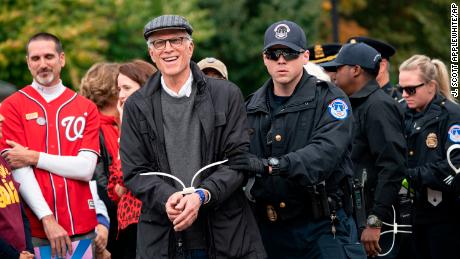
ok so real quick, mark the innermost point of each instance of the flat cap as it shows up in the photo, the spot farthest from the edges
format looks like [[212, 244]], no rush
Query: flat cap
[[384, 48], [167, 22]]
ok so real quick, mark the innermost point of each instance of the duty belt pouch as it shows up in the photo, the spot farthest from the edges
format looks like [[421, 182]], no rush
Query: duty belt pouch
[[359, 204], [319, 202]]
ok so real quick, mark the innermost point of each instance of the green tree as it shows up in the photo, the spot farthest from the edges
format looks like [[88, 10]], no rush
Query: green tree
[[240, 26], [81, 25], [90, 31], [413, 27]]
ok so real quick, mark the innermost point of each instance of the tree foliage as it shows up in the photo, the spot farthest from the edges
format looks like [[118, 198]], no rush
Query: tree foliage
[[233, 31], [111, 30], [412, 27], [241, 25], [81, 25]]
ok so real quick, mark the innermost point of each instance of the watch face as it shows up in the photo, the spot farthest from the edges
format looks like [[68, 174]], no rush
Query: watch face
[[374, 221], [273, 161]]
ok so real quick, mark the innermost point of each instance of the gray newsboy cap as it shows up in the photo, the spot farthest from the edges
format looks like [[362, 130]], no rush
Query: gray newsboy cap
[[167, 22]]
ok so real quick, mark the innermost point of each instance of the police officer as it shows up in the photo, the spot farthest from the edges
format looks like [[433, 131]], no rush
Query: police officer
[[322, 53], [300, 129], [379, 148], [383, 77], [432, 126]]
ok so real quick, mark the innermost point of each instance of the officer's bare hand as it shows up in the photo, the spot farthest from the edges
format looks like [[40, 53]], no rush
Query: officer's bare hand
[[171, 204], [189, 205], [370, 239], [101, 238], [19, 156], [57, 236]]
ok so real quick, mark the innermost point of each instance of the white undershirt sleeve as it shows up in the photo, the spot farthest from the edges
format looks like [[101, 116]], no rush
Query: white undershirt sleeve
[[80, 167], [101, 209], [31, 192]]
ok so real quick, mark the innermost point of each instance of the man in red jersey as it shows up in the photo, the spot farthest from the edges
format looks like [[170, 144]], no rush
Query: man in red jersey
[[50, 139]]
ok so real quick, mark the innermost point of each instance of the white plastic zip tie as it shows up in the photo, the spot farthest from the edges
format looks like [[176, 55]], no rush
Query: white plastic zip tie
[[191, 189], [394, 231]]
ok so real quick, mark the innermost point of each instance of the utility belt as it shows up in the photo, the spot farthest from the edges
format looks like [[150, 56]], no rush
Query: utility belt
[[315, 205]]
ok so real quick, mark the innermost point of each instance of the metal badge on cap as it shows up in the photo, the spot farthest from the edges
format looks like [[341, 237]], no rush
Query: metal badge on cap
[[281, 31]]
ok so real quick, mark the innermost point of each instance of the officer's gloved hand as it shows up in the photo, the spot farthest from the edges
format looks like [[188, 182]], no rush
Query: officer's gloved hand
[[248, 162]]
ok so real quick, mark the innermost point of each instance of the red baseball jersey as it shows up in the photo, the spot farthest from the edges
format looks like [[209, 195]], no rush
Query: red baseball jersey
[[64, 126]]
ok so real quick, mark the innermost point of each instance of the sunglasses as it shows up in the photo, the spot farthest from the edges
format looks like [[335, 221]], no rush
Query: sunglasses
[[410, 90], [288, 54]]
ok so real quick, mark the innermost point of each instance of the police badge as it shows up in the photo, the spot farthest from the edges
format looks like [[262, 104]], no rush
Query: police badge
[[432, 140]]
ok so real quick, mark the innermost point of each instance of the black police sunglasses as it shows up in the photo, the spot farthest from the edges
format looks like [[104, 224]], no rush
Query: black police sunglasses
[[410, 90], [288, 54]]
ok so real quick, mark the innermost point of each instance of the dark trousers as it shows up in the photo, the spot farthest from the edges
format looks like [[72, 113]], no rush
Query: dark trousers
[[127, 240], [313, 239], [437, 241], [196, 254]]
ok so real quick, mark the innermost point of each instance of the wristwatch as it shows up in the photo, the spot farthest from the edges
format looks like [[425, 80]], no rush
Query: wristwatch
[[374, 221], [275, 164]]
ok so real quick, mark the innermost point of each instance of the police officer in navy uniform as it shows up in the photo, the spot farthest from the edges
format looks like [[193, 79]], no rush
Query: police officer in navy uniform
[[379, 147], [299, 163], [386, 51], [432, 126]]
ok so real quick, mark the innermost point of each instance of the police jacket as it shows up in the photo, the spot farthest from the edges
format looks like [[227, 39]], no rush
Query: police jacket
[[231, 229], [310, 134], [393, 92], [379, 148], [429, 134]]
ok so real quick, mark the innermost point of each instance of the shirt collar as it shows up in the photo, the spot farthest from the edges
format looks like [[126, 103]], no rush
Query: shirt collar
[[367, 89], [184, 91], [49, 93]]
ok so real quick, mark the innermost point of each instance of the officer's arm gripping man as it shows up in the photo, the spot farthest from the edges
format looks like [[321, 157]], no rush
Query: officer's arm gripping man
[[329, 142]]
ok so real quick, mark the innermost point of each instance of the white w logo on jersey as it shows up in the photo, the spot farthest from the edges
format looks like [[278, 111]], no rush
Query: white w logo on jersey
[[75, 124]]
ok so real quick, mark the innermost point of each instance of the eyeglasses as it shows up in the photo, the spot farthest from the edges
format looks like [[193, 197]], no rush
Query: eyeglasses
[[175, 42], [288, 54], [410, 90]]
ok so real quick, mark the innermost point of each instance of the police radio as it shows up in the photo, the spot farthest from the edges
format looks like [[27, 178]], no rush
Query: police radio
[[359, 205]]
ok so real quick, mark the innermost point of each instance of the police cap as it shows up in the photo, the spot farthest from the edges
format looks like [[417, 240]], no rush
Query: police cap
[[359, 54], [384, 48], [321, 53]]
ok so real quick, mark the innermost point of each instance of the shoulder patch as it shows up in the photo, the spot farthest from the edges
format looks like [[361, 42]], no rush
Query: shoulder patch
[[454, 133], [338, 108]]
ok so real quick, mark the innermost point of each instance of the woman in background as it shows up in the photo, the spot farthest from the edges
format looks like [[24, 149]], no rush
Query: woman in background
[[131, 77], [100, 86], [432, 125]]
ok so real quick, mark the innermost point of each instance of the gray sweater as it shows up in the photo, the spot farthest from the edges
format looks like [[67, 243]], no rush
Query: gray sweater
[[182, 138]]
